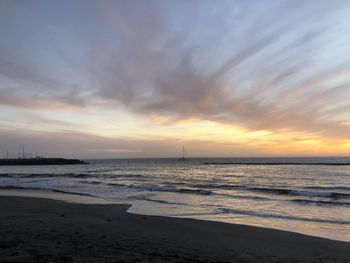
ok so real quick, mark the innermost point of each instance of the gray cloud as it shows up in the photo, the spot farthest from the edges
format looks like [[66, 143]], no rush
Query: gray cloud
[[260, 66], [29, 87], [158, 74]]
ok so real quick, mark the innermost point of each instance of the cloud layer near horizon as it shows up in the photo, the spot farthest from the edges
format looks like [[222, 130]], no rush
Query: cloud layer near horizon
[[280, 66]]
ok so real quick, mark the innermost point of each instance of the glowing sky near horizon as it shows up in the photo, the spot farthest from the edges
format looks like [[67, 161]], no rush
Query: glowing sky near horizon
[[142, 78]]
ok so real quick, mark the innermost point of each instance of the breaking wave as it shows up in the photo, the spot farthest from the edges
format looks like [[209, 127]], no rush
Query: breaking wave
[[283, 191], [279, 216]]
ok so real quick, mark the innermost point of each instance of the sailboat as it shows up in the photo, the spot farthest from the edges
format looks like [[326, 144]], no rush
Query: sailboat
[[183, 154]]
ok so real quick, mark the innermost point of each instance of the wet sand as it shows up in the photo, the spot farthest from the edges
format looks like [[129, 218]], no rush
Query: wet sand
[[44, 230]]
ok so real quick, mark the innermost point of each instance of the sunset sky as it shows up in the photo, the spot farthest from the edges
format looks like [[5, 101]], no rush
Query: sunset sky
[[142, 78]]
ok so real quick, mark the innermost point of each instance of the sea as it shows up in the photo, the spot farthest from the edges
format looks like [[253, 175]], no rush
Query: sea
[[312, 199]]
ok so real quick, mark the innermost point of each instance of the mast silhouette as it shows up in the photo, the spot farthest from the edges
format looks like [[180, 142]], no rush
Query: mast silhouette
[[183, 154], [23, 152], [19, 152]]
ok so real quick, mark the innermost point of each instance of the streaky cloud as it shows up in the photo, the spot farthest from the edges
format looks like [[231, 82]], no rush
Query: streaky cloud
[[277, 66]]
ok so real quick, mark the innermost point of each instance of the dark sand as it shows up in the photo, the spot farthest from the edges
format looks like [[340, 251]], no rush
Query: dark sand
[[44, 230]]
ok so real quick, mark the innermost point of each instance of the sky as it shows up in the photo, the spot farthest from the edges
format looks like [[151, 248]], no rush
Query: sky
[[130, 78]]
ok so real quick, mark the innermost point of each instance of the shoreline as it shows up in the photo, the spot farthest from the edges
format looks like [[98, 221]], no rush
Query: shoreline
[[53, 195], [132, 208], [35, 229]]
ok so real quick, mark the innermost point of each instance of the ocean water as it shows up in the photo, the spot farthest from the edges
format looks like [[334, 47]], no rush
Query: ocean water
[[309, 199]]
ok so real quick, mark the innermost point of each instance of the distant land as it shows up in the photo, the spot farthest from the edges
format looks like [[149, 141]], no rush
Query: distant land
[[40, 161], [276, 163]]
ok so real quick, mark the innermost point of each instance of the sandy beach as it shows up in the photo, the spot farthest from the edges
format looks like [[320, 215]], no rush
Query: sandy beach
[[44, 230]]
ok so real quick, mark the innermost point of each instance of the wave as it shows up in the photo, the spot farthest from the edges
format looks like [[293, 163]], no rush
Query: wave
[[284, 191], [278, 216], [70, 175], [103, 183], [125, 175], [249, 197], [171, 189], [153, 188], [336, 192], [331, 188], [102, 170], [320, 202], [329, 192], [213, 186], [160, 188], [24, 175], [13, 187], [163, 201], [218, 186], [14, 175]]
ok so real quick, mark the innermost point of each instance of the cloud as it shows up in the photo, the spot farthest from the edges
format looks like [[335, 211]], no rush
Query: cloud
[[28, 87], [156, 74], [271, 66], [63, 102]]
